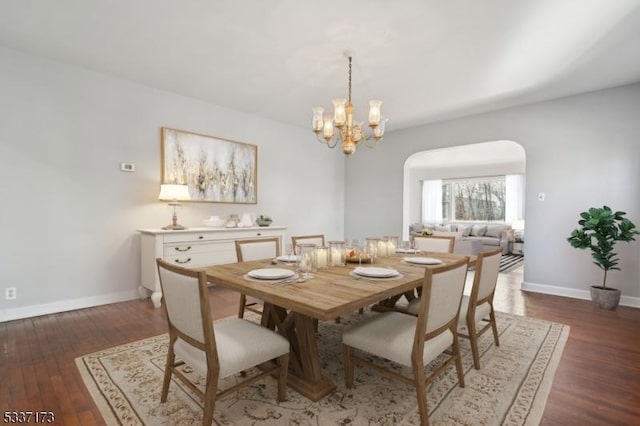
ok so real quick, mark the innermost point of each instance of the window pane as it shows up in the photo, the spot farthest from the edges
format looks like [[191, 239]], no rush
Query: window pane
[[479, 199], [446, 202]]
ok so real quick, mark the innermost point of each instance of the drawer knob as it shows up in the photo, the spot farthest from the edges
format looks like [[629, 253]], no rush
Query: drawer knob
[[259, 233], [183, 248], [200, 237], [183, 261]]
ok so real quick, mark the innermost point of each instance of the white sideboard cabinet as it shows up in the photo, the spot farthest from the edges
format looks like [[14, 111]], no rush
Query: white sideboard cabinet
[[191, 248]]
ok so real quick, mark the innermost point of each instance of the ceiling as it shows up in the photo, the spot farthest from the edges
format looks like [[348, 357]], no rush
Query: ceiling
[[427, 60]]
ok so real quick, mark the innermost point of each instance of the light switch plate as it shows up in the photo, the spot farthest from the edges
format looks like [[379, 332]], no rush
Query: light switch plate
[[127, 167], [541, 196]]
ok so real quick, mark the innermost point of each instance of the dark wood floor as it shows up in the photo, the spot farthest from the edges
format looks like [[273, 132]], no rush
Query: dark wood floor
[[597, 382]]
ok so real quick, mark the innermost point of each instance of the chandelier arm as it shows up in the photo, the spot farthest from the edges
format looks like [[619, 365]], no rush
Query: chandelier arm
[[328, 143]]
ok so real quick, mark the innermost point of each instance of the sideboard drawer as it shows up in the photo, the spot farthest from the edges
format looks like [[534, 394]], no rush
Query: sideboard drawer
[[178, 249], [194, 260]]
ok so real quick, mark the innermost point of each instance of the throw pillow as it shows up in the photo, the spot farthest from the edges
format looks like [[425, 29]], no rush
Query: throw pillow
[[466, 230], [443, 228], [478, 230]]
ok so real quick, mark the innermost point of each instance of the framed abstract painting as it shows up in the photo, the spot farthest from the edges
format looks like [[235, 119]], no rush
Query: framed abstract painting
[[216, 170]]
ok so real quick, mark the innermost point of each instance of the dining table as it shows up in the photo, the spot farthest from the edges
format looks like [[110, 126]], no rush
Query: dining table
[[292, 307]]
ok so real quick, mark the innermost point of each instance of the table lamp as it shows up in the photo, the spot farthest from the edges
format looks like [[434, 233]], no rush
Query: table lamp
[[174, 193], [518, 228]]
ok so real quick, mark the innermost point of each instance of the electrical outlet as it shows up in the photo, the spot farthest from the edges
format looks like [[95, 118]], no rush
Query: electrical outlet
[[541, 196], [10, 293]]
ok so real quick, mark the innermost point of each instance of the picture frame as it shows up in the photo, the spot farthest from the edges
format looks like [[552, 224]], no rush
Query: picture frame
[[216, 170]]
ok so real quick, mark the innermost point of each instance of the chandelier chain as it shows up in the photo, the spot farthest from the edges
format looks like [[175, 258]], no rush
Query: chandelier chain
[[349, 79]]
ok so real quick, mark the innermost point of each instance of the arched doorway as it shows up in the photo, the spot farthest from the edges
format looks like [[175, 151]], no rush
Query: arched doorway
[[493, 158]]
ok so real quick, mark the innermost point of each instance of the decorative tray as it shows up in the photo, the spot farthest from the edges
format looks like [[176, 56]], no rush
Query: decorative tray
[[359, 259]]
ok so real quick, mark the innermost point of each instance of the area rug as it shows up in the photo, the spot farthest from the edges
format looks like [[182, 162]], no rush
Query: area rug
[[510, 389], [509, 262]]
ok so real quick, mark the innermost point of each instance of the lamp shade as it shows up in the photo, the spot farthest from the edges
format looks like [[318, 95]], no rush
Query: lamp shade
[[517, 225], [174, 192]]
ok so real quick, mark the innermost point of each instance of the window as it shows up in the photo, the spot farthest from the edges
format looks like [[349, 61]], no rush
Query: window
[[474, 199]]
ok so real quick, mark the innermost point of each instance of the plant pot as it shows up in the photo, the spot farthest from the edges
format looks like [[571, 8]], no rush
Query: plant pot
[[604, 297], [263, 222]]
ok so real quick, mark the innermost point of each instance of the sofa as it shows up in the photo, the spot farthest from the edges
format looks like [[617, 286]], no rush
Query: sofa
[[471, 238]]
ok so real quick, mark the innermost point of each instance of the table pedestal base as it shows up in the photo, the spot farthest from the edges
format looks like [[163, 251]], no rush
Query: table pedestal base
[[304, 362]]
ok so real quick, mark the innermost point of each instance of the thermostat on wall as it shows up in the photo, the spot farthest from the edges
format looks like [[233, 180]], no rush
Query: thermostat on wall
[[127, 167]]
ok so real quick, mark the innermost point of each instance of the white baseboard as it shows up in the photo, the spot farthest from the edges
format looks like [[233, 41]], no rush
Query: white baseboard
[[66, 305], [633, 302]]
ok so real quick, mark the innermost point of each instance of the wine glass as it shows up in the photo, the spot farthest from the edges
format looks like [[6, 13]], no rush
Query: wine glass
[[306, 259]]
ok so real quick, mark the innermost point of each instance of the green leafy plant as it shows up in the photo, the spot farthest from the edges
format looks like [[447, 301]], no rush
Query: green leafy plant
[[264, 218], [600, 229]]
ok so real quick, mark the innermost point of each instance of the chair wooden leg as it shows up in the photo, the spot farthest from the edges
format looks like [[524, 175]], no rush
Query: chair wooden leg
[[473, 341], [168, 370], [494, 327], [347, 353], [210, 399], [421, 393], [456, 353], [243, 301], [361, 311], [283, 362]]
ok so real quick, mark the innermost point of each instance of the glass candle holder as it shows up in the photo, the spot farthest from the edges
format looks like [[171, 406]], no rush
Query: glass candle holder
[[337, 255], [382, 248], [306, 263], [322, 257], [371, 246], [392, 244]]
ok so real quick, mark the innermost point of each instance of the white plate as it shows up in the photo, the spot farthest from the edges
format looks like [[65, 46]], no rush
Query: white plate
[[407, 251], [375, 272], [423, 260], [271, 273], [289, 258]]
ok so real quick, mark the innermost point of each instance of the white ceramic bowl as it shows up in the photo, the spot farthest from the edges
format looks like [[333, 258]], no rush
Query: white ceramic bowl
[[214, 223]]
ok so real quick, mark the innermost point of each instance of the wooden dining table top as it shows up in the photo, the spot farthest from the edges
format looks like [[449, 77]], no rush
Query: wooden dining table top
[[331, 292]]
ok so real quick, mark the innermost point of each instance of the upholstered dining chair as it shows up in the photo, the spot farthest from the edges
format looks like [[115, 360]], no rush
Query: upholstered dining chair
[[476, 309], [441, 244], [318, 240], [214, 349], [414, 341], [255, 249]]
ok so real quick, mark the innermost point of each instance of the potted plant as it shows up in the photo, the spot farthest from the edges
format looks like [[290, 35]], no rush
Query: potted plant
[[600, 229], [263, 220]]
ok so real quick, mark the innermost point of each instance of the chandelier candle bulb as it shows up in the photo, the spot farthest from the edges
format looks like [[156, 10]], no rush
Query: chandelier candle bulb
[[328, 129], [339, 113], [317, 121], [374, 112]]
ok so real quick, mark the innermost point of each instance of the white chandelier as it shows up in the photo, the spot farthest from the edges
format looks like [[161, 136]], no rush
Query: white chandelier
[[350, 132]]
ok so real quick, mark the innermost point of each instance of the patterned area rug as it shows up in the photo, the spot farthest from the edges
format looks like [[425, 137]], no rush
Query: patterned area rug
[[509, 262], [510, 389]]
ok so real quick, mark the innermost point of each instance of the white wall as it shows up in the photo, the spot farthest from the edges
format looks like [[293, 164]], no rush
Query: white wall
[[69, 215], [582, 151]]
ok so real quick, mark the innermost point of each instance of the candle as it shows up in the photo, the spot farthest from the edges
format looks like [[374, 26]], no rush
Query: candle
[[335, 257], [321, 257], [382, 248]]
